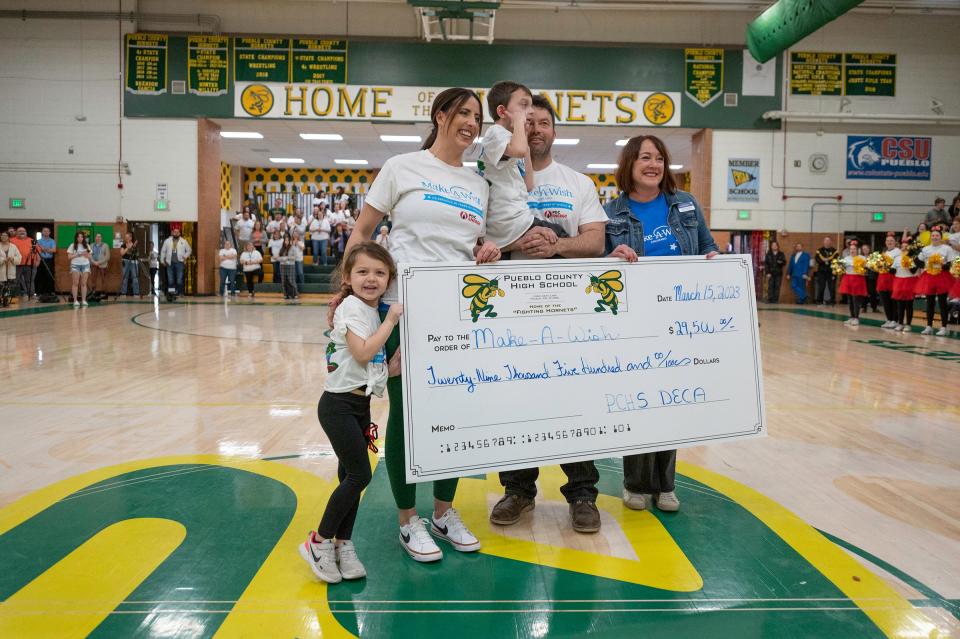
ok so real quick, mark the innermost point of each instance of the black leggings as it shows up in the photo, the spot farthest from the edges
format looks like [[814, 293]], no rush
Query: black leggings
[[932, 301], [853, 303], [250, 277], [889, 305], [905, 312], [345, 417]]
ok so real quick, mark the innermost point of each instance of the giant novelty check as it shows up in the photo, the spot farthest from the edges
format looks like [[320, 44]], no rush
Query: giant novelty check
[[532, 363]]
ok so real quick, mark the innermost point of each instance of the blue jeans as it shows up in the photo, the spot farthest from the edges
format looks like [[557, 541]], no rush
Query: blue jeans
[[299, 273], [228, 275], [799, 286], [175, 277], [131, 269], [319, 251]]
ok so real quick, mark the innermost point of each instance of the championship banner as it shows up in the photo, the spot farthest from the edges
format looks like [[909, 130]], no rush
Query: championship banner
[[313, 101], [521, 364]]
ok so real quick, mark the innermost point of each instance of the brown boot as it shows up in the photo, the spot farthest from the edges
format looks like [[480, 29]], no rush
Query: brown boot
[[509, 508], [585, 516]]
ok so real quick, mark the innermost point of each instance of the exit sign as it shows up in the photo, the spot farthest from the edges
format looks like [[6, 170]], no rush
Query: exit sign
[[743, 215], [877, 216], [18, 203], [161, 205]]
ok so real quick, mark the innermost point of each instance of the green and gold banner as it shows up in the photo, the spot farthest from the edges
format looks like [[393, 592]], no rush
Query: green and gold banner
[[870, 74], [146, 68], [816, 73], [704, 74], [319, 61], [208, 64], [261, 59]]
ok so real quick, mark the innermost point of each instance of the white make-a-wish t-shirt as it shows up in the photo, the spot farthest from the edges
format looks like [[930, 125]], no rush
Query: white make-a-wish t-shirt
[[438, 210], [566, 197], [344, 373], [508, 215]]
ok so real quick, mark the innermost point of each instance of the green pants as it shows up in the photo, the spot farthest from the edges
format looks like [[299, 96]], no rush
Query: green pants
[[403, 493]]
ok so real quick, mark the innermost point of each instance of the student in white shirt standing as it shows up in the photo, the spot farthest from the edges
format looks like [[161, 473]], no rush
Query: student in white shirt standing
[[357, 368], [438, 208], [275, 244], [79, 253], [243, 223], [319, 236], [250, 261], [565, 197], [228, 269]]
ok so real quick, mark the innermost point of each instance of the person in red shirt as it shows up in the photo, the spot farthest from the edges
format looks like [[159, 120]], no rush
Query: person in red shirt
[[29, 258]]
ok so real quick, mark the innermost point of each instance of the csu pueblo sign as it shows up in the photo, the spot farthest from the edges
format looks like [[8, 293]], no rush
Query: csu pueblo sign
[[878, 157]]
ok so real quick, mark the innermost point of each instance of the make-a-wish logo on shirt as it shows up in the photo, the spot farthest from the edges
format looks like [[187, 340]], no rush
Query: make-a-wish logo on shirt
[[455, 196], [659, 234]]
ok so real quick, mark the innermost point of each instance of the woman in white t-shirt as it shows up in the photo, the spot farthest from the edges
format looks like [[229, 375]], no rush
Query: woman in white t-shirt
[[79, 254], [228, 269], [250, 261], [275, 244], [438, 208], [319, 236]]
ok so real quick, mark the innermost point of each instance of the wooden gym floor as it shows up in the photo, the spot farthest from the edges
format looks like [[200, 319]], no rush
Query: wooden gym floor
[[160, 463]]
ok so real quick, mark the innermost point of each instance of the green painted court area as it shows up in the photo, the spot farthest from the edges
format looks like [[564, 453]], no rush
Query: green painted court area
[[754, 584]]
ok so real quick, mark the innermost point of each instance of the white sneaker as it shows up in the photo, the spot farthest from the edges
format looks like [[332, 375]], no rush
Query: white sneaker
[[84, 303], [942, 332], [322, 557], [848, 322], [636, 501], [898, 328], [417, 541], [927, 331], [888, 324], [854, 321], [349, 563], [76, 304], [451, 528], [668, 502]]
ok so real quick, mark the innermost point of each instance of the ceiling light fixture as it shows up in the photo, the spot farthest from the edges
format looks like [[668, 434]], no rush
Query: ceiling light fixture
[[329, 137], [351, 162], [401, 138], [241, 135], [287, 160], [567, 141], [622, 142], [676, 167], [601, 166]]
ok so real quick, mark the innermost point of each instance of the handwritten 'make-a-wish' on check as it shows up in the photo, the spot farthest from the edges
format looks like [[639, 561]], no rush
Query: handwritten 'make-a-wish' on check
[[531, 363]]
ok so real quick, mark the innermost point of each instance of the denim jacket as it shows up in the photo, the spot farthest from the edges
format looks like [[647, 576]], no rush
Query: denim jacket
[[688, 226]]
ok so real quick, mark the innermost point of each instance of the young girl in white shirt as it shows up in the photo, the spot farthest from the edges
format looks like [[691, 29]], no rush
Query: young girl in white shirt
[[79, 253], [357, 367], [289, 253]]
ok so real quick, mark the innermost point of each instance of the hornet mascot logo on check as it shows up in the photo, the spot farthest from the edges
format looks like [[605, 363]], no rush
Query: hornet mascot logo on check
[[606, 286], [479, 290]]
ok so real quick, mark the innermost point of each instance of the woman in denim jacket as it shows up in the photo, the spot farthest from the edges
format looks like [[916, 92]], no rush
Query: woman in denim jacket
[[652, 217]]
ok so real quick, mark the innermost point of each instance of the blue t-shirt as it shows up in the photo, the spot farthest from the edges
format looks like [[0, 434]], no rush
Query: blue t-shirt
[[47, 243], [658, 238]]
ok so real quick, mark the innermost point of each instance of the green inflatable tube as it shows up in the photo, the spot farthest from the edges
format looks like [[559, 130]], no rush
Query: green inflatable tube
[[787, 22]]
